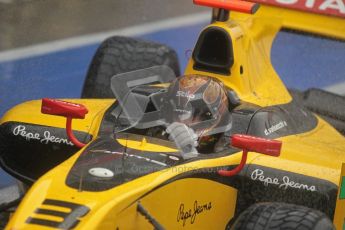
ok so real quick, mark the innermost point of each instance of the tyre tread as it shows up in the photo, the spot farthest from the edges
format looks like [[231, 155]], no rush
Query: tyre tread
[[272, 216], [122, 54]]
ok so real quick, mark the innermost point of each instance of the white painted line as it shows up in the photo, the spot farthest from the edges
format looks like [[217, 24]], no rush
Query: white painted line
[[74, 42], [338, 88], [6, 1]]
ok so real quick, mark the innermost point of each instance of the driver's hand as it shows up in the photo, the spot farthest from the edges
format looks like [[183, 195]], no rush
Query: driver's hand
[[185, 139]]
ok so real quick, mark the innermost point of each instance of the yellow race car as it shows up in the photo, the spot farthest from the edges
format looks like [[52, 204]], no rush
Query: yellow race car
[[224, 146]]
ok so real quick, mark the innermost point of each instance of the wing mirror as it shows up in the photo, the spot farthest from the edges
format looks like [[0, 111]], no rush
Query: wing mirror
[[252, 144], [68, 110], [63, 108]]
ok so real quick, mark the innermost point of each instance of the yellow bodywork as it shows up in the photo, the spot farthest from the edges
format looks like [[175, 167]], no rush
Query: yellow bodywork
[[30, 112], [259, 83], [318, 153]]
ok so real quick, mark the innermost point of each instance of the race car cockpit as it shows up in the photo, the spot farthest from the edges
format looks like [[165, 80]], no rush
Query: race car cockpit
[[192, 110], [159, 121]]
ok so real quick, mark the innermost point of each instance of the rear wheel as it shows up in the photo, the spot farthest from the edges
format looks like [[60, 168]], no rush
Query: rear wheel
[[121, 54], [271, 216]]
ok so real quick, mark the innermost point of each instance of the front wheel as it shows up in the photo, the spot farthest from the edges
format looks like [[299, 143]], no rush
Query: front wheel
[[122, 54], [271, 216]]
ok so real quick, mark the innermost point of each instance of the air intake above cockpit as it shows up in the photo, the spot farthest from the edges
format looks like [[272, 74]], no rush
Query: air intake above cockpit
[[213, 51]]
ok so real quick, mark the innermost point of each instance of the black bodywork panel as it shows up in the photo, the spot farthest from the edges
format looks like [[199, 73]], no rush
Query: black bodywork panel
[[127, 164], [27, 151], [263, 184], [281, 120], [327, 105]]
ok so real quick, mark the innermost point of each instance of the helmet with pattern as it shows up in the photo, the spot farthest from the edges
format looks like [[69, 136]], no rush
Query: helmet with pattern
[[198, 101]]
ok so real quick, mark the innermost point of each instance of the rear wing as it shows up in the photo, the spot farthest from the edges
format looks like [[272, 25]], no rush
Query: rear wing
[[334, 8], [322, 17], [339, 218]]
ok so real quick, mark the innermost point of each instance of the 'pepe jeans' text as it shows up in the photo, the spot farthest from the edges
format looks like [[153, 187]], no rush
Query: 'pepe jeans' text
[[284, 183], [184, 214], [47, 138]]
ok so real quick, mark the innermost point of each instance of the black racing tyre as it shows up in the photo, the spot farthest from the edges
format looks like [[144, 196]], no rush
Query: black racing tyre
[[274, 216], [122, 54]]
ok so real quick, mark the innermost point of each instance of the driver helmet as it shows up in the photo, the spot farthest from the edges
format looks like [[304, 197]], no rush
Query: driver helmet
[[198, 101]]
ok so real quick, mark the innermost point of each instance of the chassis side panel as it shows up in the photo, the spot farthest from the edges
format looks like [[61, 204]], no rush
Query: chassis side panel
[[31, 143]]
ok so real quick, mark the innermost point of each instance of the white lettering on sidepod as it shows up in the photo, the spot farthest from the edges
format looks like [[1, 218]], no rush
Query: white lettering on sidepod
[[284, 183], [47, 138]]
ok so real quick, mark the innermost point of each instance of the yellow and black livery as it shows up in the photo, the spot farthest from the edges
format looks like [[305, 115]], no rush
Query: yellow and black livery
[[151, 184]]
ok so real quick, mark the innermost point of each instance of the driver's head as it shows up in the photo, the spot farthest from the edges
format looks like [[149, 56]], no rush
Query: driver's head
[[196, 100]]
